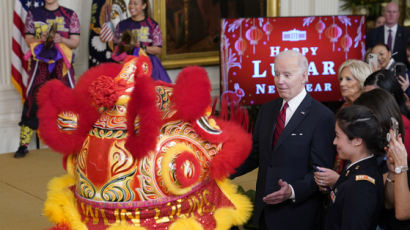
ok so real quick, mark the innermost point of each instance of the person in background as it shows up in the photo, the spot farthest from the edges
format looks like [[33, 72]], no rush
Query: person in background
[[292, 135], [385, 61], [380, 21], [398, 163], [352, 74], [384, 107], [385, 80], [46, 66], [149, 35], [383, 55], [356, 199], [391, 34]]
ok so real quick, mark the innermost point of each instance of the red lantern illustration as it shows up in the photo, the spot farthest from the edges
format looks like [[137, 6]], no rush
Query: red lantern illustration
[[254, 34], [241, 45], [333, 33], [320, 26], [346, 43], [267, 27]]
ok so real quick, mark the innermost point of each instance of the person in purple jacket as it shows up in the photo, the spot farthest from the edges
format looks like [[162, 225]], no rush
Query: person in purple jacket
[[51, 32], [149, 35]]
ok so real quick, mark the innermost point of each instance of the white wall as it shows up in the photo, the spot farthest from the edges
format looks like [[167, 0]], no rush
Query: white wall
[[10, 106]]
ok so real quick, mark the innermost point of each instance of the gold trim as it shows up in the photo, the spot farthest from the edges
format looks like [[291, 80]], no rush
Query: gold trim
[[198, 58], [273, 8]]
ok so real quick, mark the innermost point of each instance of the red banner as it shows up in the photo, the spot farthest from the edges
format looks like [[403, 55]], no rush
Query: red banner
[[249, 47]]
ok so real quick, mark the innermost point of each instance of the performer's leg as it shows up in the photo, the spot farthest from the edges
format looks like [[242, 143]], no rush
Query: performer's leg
[[25, 137]]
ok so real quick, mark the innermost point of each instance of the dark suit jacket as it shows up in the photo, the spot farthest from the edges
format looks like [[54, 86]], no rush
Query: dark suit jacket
[[376, 36], [305, 142]]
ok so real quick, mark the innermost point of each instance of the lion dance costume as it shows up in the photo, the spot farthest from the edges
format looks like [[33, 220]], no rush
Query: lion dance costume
[[141, 154]]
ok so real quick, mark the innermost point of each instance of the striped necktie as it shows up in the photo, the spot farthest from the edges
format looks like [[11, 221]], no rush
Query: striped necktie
[[280, 123], [390, 40]]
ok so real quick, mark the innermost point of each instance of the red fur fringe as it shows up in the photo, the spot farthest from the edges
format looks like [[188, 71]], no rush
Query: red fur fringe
[[106, 69], [234, 151], [143, 104], [191, 93], [53, 98], [105, 91]]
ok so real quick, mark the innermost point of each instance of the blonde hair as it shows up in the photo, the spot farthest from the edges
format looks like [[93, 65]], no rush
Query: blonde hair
[[359, 69]]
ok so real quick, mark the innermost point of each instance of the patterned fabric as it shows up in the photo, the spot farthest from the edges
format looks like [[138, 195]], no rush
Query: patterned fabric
[[280, 123], [19, 66], [105, 16], [149, 32], [40, 19], [25, 135]]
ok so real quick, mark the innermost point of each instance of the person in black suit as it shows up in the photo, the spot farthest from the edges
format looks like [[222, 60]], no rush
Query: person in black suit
[[356, 200], [399, 34], [286, 194]]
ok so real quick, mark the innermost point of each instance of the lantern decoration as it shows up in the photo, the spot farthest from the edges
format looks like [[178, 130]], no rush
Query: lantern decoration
[[267, 27], [254, 34], [346, 43], [241, 45], [333, 32], [320, 26]]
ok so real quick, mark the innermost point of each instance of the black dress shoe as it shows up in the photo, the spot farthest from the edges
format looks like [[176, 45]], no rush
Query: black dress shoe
[[21, 152]]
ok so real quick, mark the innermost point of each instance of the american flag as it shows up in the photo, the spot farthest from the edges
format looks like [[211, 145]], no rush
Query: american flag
[[19, 73], [107, 33]]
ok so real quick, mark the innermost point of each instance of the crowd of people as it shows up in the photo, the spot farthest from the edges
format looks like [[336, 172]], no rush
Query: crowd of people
[[53, 31], [358, 157]]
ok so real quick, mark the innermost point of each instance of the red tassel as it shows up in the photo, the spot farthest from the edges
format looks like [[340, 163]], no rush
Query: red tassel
[[143, 104], [234, 151], [191, 93]]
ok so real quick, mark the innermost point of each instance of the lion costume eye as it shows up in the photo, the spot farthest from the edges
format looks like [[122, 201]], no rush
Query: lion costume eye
[[181, 169]]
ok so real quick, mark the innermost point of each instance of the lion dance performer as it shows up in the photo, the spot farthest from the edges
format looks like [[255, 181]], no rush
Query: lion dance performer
[[141, 154]]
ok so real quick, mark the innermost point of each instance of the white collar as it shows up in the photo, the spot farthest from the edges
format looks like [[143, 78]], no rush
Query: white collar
[[359, 161], [393, 28], [296, 100]]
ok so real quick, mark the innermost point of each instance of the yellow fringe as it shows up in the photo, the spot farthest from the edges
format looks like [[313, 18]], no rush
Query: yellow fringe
[[226, 217], [60, 206], [186, 223]]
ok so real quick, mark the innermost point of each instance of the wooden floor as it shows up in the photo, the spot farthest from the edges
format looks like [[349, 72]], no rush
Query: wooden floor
[[23, 188]]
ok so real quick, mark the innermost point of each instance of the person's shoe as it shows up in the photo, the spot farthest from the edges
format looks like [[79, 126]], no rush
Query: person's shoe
[[21, 152]]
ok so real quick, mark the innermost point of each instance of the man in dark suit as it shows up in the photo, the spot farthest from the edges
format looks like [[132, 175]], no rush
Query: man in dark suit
[[391, 34], [287, 145]]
